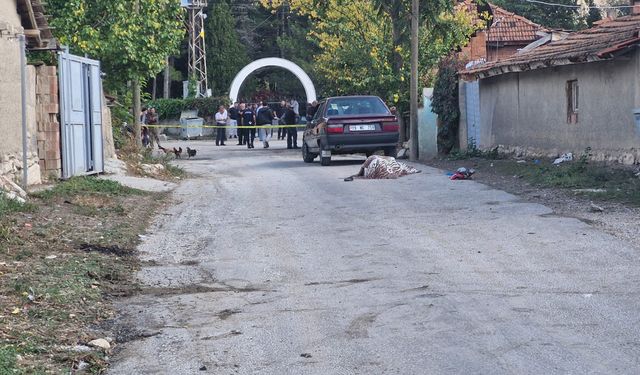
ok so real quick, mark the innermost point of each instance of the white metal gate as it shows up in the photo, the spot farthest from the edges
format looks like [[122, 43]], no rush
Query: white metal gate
[[80, 115], [472, 95]]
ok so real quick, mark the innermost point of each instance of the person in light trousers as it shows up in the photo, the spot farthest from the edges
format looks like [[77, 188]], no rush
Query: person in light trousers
[[221, 120], [232, 131]]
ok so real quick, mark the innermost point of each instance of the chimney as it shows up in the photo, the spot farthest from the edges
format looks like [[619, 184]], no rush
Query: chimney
[[636, 7]]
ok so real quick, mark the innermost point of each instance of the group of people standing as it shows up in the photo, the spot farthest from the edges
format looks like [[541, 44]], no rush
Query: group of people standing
[[242, 120]]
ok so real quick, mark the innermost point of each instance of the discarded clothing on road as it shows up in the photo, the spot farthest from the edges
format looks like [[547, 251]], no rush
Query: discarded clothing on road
[[463, 174], [383, 167]]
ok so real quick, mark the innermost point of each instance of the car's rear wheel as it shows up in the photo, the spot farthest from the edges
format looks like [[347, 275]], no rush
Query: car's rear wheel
[[391, 151], [307, 156]]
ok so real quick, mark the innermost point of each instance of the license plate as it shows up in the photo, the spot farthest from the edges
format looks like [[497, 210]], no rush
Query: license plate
[[362, 127], [325, 153]]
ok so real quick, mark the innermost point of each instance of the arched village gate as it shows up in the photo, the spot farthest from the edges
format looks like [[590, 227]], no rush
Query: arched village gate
[[309, 88]]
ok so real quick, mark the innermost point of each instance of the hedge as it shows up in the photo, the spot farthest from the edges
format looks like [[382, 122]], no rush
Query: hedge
[[172, 108]]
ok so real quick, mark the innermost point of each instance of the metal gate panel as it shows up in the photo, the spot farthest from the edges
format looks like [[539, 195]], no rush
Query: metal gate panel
[[472, 95], [81, 115], [95, 83]]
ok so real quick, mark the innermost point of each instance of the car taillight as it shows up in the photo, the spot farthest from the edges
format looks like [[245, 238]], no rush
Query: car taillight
[[335, 128], [390, 127]]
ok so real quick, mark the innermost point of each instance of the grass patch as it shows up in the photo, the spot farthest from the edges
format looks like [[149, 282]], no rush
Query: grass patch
[[8, 206], [8, 362], [611, 183], [473, 152], [86, 186], [60, 266], [134, 157]]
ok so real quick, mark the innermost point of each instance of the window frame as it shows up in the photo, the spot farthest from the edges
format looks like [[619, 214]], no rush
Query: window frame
[[573, 101]]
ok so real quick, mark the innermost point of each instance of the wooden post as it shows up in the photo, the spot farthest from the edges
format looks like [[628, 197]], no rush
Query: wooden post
[[413, 133], [135, 88]]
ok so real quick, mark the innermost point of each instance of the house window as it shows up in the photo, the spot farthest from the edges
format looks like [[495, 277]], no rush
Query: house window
[[573, 96]]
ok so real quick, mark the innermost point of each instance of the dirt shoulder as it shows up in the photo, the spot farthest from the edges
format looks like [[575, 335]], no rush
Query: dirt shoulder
[[605, 197], [64, 257]]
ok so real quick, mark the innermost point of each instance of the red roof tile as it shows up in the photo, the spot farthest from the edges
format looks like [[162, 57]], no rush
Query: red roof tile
[[510, 27], [598, 43]]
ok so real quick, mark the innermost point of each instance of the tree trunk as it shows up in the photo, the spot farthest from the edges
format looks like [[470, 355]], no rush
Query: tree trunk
[[154, 89], [415, 14], [167, 79], [135, 87]]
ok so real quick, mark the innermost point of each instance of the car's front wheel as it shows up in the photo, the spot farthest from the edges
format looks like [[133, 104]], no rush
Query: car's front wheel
[[307, 156]]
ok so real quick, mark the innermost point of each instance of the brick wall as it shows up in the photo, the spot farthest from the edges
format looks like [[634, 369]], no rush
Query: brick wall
[[476, 49], [47, 110]]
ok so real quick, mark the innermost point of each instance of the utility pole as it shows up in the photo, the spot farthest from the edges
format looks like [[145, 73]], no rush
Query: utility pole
[[413, 133], [135, 87], [197, 49]]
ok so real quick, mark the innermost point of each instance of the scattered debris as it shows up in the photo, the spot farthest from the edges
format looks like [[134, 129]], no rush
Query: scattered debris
[[305, 355], [596, 208], [563, 158], [589, 190], [521, 162], [203, 368], [637, 172], [81, 349], [81, 366], [100, 343], [403, 150], [115, 166], [463, 174], [11, 190], [51, 257], [152, 169]]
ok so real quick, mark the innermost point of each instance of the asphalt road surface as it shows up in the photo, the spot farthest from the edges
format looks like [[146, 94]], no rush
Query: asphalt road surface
[[267, 265]]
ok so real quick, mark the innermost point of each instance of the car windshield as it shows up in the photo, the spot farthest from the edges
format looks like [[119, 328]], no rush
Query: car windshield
[[356, 106]]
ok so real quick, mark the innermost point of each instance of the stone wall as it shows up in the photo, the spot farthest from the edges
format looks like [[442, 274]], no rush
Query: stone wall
[[47, 111], [10, 101]]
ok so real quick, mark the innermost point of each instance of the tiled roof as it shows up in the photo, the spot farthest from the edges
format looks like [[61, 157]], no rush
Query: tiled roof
[[510, 27], [505, 26], [602, 42]]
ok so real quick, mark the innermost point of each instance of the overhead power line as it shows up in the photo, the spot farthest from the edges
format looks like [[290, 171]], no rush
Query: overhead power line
[[578, 6]]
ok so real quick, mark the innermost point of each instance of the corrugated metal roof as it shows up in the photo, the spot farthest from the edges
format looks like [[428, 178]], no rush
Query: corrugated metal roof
[[598, 43]]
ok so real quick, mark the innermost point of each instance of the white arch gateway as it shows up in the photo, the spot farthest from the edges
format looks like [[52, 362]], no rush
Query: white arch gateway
[[309, 88]]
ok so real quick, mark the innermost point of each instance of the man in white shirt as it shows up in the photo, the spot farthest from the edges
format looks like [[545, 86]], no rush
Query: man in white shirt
[[221, 120]]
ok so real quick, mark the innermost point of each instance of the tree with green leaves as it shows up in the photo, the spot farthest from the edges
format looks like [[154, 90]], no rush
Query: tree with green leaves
[[551, 16], [225, 53], [132, 39]]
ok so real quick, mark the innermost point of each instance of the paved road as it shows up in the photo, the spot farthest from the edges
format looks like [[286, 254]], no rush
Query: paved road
[[266, 265]]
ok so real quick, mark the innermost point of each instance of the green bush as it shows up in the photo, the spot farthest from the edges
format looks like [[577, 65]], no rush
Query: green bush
[[172, 108], [445, 103]]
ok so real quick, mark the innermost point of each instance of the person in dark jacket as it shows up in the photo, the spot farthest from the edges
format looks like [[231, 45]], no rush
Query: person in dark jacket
[[282, 132], [290, 118], [248, 118], [264, 116], [242, 133]]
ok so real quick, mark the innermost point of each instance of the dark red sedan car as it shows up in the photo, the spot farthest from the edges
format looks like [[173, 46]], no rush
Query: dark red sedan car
[[350, 124]]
